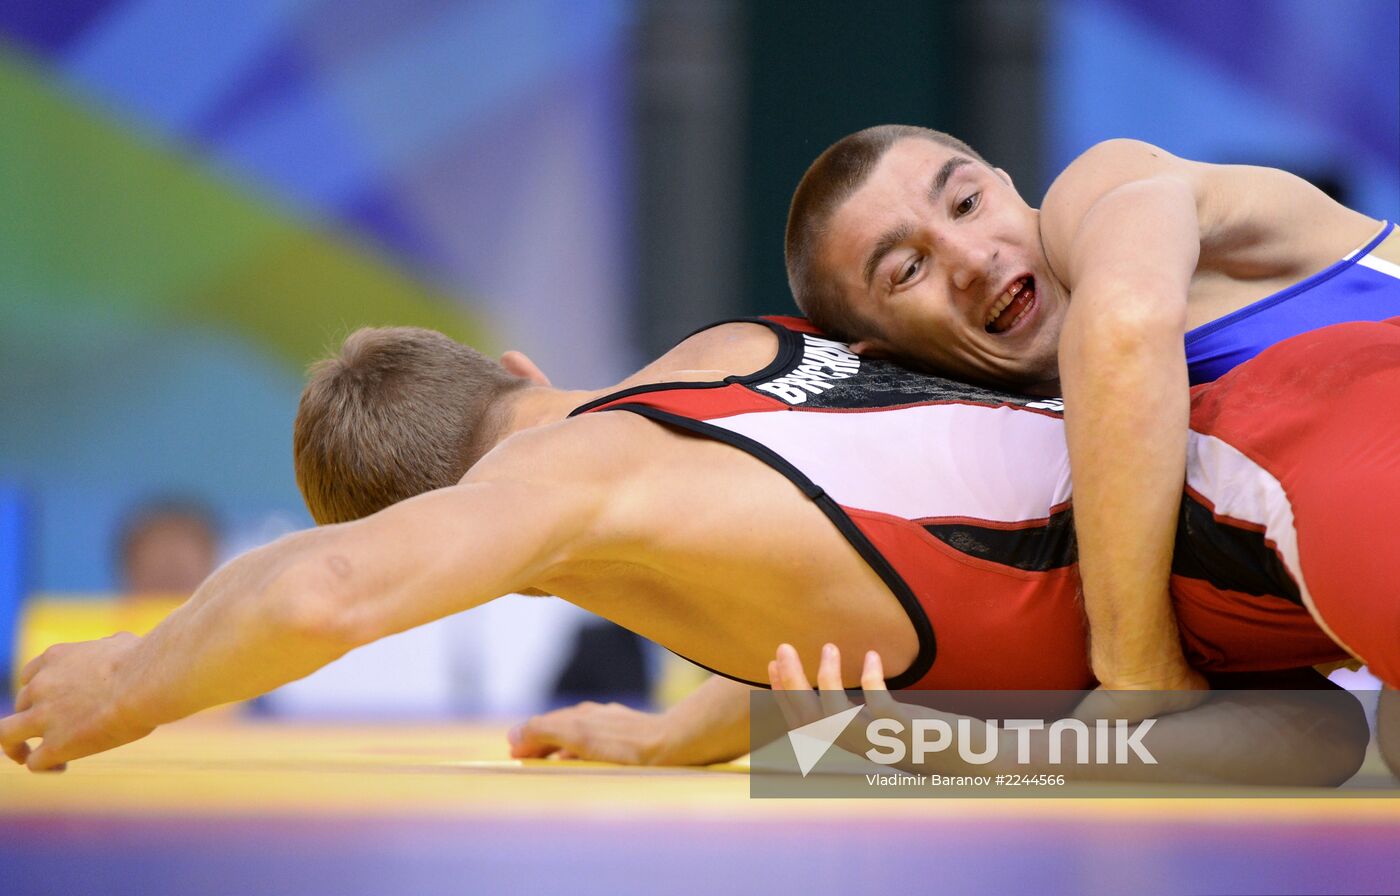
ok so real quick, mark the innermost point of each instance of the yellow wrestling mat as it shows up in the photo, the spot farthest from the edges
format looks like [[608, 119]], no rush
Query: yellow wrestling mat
[[230, 767], [305, 803]]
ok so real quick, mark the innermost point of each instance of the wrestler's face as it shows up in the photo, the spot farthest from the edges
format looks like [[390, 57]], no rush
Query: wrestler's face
[[943, 256]]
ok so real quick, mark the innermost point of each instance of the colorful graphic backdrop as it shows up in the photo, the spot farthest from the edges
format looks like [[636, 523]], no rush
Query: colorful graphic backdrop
[[200, 198]]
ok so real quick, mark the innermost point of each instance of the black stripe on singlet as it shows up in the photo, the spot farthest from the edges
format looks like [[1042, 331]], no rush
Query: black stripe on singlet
[[880, 384], [790, 347], [1229, 557], [834, 512], [1036, 548]]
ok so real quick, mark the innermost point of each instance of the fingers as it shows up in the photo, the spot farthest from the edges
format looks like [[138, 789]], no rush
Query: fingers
[[794, 692], [534, 738], [791, 688], [31, 668], [45, 759], [872, 681], [790, 671], [872, 674], [831, 687], [14, 731], [800, 706], [611, 733], [18, 753], [829, 671]]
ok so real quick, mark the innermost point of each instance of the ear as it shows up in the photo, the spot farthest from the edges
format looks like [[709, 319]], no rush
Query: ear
[[870, 348], [516, 363]]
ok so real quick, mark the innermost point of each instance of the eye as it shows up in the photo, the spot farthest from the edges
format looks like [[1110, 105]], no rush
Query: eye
[[907, 272], [968, 204]]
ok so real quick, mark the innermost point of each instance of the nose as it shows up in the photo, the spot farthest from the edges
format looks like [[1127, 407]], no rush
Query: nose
[[968, 261]]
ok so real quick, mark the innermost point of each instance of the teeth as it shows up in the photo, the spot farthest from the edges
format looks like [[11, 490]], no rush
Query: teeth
[[1005, 300], [1024, 312]]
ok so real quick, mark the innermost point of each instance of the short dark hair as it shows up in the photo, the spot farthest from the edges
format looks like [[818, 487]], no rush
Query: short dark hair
[[398, 411], [832, 178]]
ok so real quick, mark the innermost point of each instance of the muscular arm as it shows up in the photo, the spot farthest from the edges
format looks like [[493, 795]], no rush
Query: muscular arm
[[1122, 230], [281, 612]]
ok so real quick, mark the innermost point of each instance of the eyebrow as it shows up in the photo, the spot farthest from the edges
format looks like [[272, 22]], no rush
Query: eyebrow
[[891, 238], [896, 235], [940, 180]]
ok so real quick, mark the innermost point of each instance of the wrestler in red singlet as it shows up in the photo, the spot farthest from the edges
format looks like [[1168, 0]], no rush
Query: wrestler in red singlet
[[958, 496], [1301, 447]]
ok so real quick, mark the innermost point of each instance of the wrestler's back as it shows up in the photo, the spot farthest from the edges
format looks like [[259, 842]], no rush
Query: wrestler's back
[[708, 551], [711, 553]]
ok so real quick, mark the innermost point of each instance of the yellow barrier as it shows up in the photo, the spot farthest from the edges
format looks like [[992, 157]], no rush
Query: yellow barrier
[[57, 619]]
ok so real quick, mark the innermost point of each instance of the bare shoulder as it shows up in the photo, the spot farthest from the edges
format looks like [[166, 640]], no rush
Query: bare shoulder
[[1250, 218], [740, 336], [584, 473], [1123, 154], [735, 348], [606, 478], [588, 451], [1098, 171], [1110, 164]]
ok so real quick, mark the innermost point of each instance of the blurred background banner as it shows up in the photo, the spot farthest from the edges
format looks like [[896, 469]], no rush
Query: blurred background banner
[[1310, 87], [201, 198], [197, 199]]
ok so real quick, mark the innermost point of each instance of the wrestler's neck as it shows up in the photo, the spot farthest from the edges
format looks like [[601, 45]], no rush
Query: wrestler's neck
[[704, 357], [542, 405]]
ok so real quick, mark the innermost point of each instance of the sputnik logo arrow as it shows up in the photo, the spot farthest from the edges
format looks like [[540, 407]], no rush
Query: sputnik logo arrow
[[811, 741]]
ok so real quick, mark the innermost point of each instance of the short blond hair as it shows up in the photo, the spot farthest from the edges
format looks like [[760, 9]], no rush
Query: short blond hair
[[398, 411]]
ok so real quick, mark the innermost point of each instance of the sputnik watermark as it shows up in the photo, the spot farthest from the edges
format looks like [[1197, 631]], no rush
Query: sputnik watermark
[[1126, 740], [1109, 742], [941, 744]]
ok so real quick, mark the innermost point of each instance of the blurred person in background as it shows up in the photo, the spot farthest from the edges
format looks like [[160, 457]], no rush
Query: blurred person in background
[[907, 243], [604, 662], [166, 548]]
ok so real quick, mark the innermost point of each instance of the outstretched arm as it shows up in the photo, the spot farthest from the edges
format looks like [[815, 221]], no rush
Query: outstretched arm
[[1122, 229], [280, 612]]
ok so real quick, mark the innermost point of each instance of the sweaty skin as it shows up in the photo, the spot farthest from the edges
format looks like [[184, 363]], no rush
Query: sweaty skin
[[934, 245]]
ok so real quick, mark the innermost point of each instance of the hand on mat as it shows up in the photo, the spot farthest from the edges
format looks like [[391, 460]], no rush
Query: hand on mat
[[602, 732], [67, 700]]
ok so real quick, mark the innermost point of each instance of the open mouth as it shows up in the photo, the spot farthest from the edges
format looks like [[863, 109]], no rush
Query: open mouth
[[1013, 305]]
